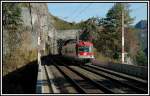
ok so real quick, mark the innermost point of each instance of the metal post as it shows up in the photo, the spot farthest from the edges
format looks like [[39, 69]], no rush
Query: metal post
[[39, 54], [39, 39], [39, 88], [77, 34], [123, 34]]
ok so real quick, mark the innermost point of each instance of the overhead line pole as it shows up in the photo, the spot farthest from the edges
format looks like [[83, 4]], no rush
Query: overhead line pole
[[39, 88], [39, 38], [123, 34]]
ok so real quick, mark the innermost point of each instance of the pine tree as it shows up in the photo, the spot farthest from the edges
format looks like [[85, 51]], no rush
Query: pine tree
[[88, 29], [110, 37]]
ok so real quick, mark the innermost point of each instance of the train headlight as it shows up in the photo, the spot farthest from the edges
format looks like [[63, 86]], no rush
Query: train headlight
[[84, 54]]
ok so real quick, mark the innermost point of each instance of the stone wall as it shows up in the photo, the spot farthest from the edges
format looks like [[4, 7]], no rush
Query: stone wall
[[67, 34], [63, 35]]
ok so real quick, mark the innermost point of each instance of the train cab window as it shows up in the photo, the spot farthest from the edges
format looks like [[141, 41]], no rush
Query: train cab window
[[90, 48], [84, 49]]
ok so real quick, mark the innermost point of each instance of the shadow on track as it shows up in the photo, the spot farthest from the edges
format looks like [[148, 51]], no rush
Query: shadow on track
[[23, 80]]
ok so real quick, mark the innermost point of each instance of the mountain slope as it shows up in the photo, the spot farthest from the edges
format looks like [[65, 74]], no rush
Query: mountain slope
[[142, 34]]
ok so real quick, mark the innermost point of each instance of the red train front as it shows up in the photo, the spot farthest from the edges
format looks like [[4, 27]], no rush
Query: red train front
[[82, 50], [85, 50]]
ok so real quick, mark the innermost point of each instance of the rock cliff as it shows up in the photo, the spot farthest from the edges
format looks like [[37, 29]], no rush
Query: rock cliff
[[20, 43], [37, 18]]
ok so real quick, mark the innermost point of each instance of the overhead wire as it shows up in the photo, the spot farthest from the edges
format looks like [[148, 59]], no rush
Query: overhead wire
[[76, 10], [82, 11], [74, 15], [73, 12]]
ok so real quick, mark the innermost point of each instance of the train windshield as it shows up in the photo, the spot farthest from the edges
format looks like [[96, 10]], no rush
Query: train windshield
[[84, 49]]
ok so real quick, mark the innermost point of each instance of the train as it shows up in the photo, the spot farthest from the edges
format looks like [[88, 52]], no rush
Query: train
[[80, 50]]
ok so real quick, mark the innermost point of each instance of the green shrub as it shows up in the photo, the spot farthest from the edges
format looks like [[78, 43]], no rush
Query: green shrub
[[141, 59]]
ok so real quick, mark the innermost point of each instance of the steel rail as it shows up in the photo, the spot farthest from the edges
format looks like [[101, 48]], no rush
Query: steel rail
[[140, 83], [123, 83], [102, 87], [50, 80], [122, 75], [77, 86]]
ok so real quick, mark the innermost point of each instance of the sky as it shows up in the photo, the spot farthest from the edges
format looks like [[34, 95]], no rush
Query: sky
[[76, 12]]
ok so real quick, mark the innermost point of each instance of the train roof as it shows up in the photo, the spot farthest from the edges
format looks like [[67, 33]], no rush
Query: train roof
[[85, 43]]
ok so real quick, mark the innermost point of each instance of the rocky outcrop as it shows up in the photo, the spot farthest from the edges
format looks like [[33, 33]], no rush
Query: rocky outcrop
[[20, 42], [38, 20]]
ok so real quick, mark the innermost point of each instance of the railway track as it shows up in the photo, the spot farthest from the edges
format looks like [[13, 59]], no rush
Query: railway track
[[51, 84], [82, 83], [95, 79], [138, 87], [134, 81]]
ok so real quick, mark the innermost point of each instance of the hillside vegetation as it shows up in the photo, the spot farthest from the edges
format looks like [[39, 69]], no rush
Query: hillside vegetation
[[60, 24]]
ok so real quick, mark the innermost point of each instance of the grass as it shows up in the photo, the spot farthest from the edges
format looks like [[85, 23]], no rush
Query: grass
[[104, 59], [18, 59]]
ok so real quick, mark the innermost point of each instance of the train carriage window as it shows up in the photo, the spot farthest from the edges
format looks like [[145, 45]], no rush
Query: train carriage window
[[84, 49]]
